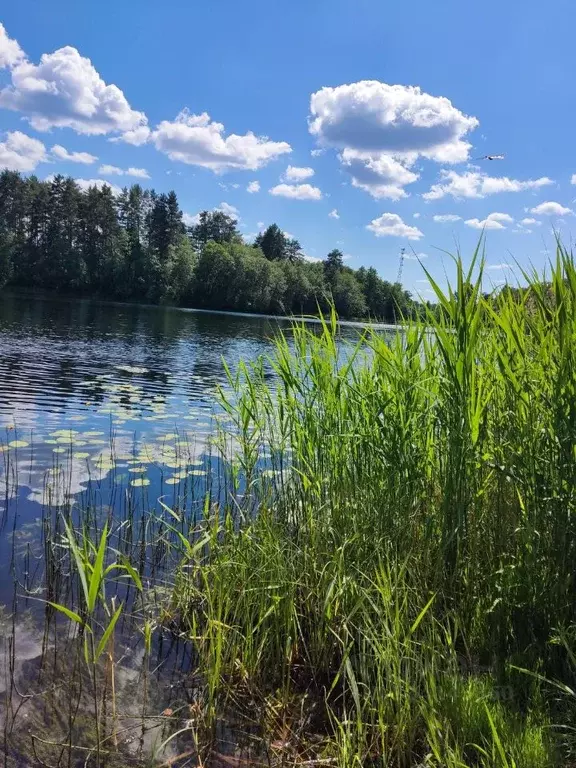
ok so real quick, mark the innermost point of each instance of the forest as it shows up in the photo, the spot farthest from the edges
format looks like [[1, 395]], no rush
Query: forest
[[57, 237]]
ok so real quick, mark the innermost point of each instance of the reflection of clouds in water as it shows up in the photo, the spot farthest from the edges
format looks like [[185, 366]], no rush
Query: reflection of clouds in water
[[26, 642], [43, 708]]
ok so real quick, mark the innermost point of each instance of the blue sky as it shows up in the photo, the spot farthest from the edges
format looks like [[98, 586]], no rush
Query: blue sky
[[389, 105]]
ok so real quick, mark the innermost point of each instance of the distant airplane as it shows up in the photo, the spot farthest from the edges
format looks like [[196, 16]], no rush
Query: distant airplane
[[491, 157]]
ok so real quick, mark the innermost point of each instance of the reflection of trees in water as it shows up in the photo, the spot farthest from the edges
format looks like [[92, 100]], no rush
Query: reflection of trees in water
[[59, 348]]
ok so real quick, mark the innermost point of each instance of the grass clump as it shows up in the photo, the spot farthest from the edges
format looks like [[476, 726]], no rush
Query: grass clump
[[413, 548]]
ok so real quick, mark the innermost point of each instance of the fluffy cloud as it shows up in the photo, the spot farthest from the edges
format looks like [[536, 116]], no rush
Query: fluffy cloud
[[334, 214], [392, 224], [374, 117], [492, 221], [294, 173], [229, 210], [297, 191], [379, 175], [528, 221], [550, 208], [10, 52], [85, 184], [474, 184], [113, 170], [189, 220], [253, 186], [197, 140], [445, 217], [61, 153], [573, 179], [497, 267], [64, 90], [136, 137], [19, 152]]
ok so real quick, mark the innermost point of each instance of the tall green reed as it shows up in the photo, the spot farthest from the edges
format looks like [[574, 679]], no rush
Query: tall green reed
[[435, 468]]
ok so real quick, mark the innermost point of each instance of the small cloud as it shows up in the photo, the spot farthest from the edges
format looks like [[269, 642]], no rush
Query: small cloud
[[573, 179], [86, 184], [527, 222], [61, 153], [294, 173], [496, 267], [253, 186], [550, 208], [334, 214], [189, 220], [390, 224], [113, 170], [492, 221], [20, 152], [445, 217], [317, 152], [296, 191], [199, 140], [260, 224], [415, 256], [416, 215], [476, 185], [229, 210]]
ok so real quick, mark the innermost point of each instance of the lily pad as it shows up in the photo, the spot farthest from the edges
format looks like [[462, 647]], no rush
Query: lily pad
[[140, 482]]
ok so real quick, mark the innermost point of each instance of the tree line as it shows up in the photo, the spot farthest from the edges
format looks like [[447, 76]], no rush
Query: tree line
[[134, 246]]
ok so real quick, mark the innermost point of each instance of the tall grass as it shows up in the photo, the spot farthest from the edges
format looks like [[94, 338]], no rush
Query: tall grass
[[414, 543]]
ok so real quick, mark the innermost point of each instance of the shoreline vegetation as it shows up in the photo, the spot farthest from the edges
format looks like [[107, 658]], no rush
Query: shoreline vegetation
[[135, 246], [396, 587]]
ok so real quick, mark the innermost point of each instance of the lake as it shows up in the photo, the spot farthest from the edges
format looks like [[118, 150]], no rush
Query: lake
[[91, 392], [107, 412]]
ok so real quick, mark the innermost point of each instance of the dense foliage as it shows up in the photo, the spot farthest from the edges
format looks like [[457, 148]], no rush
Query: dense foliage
[[135, 246], [406, 595]]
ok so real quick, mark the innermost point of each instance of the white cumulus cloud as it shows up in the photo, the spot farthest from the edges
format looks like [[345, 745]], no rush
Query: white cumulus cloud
[[85, 184], [61, 153], [445, 217], [10, 52], [550, 208], [392, 224], [253, 186], [297, 191], [379, 175], [113, 170], [189, 220], [373, 116], [65, 91], [294, 173], [229, 210], [492, 221], [198, 140], [573, 179], [334, 214], [136, 136], [528, 221], [19, 152], [474, 184]]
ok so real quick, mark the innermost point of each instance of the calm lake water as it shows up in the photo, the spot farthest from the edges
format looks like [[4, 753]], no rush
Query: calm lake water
[[97, 396], [107, 412]]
